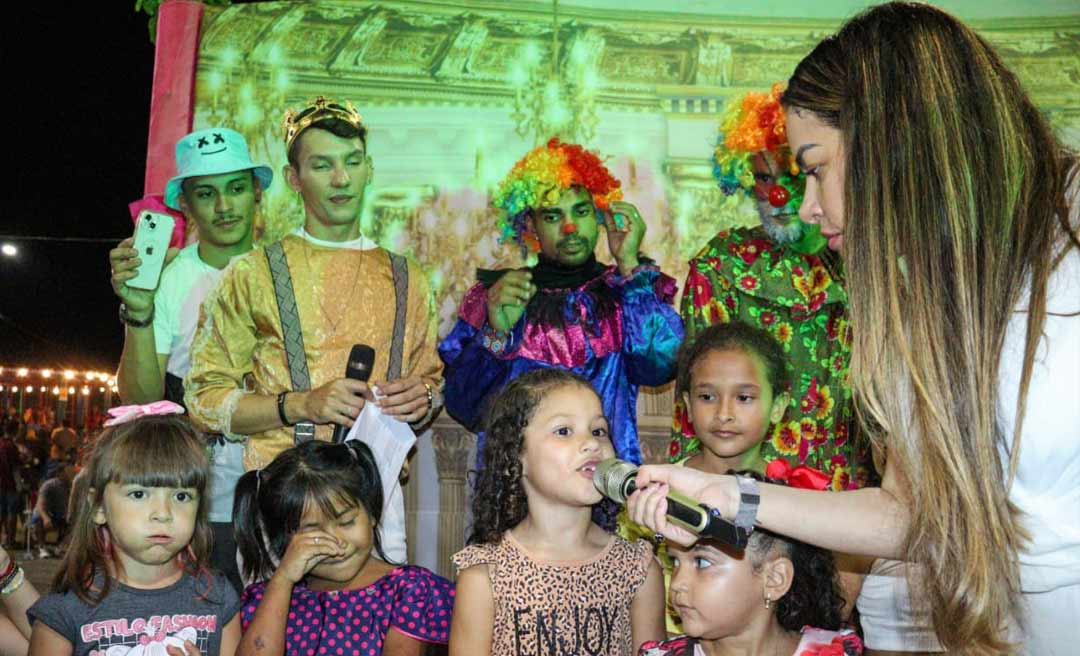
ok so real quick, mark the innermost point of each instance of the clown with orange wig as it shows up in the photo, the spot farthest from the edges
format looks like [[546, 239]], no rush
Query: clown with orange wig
[[777, 276], [611, 324]]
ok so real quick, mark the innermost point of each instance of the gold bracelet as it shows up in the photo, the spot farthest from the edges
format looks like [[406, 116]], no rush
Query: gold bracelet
[[430, 396], [430, 405]]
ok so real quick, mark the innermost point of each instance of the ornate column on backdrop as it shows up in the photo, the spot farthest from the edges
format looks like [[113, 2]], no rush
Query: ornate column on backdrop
[[454, 450]]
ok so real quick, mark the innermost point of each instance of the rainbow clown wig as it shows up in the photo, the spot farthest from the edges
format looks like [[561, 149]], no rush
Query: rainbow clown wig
[[750, 125], [539, 179]]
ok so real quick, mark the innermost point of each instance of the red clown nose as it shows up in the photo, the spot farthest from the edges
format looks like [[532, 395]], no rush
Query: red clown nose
[[569, 228], [779, 196]]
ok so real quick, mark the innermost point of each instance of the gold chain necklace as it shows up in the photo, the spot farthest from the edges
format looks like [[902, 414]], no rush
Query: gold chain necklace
[[319, 296]]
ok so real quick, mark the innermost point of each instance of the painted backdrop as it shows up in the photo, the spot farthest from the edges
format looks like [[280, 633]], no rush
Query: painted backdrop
[[455, 92]]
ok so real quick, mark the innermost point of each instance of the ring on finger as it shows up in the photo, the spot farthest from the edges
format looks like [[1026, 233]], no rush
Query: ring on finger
[[316, 539]]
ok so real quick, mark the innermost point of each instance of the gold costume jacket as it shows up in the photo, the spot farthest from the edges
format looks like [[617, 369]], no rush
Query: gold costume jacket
[[344, 296]]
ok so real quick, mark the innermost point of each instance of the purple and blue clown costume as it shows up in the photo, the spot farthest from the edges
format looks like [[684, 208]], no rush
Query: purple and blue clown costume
[[617, 332], [612, 325]]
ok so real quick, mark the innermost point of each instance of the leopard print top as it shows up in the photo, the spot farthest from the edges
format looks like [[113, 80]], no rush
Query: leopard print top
[[565, 607]]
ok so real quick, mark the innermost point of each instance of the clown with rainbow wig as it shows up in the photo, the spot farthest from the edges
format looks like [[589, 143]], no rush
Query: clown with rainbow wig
[[612, 324], [777, 276]]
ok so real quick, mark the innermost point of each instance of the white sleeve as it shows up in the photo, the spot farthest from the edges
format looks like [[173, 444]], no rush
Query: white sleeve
[[165, 324]]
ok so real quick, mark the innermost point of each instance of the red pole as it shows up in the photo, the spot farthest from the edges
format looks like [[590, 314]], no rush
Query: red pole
[[172, 103]]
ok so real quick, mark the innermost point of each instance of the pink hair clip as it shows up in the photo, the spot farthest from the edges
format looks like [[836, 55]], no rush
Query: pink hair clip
[[125, 413]]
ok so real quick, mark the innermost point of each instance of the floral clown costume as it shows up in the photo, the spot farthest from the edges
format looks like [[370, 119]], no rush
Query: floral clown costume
[[787, 283]]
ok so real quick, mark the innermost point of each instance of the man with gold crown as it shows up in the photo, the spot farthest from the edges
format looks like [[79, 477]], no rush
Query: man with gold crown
[[777, 276], [276, 334], [612, 324]]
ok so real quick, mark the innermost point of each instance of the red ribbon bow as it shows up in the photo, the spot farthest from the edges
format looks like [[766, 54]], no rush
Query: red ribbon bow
[[802, 476]]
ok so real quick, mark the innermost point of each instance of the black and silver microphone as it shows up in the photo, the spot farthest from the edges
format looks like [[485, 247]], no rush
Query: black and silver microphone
[[361, 361], [615, 479]]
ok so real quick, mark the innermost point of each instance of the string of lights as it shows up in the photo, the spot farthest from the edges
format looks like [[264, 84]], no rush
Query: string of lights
[[41, 380]]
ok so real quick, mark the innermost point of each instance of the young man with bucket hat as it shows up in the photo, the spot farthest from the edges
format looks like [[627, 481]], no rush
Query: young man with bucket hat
[[218, 187]]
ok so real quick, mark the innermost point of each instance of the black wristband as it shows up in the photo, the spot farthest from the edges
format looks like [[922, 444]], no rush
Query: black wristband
[[281, 409], [133, 322]]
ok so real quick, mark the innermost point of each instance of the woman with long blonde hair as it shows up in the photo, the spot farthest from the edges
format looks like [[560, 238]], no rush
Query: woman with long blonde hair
[[956, 211]]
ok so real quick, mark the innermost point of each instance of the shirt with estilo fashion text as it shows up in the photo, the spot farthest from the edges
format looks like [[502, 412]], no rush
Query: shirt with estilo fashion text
[[137, 622], [567, 607]]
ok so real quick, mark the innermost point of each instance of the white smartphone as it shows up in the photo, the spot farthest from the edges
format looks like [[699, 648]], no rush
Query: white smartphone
[[153, 231]]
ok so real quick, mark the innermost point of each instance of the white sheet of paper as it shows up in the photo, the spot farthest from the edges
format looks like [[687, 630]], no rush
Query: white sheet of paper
[[390, 441]]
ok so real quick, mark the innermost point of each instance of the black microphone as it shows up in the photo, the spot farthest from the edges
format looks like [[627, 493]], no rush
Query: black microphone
[[615, 479], [361, 361]]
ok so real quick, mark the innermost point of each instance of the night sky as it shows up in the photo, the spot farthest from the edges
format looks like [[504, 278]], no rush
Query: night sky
[[77, 84]]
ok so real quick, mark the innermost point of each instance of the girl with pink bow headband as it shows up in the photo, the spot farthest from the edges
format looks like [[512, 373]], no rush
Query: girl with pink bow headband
[[135, 573]]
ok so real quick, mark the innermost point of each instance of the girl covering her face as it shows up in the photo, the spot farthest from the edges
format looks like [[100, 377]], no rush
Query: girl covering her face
[[307, 529]]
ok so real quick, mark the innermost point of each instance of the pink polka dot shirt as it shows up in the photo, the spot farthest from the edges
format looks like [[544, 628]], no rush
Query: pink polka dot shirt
[[412, 600]]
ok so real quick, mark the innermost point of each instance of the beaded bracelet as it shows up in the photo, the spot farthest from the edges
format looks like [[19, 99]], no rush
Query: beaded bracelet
[[7, 570], [12, 582]]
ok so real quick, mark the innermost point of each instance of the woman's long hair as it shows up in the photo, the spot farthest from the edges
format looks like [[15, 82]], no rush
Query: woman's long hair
[[154, 451], [270, 502], [955, 197]]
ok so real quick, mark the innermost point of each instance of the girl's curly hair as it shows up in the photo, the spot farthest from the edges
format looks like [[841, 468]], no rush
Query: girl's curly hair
[[814, 598], [499, 501]]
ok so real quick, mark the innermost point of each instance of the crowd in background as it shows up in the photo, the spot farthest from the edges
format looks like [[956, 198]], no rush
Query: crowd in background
[[39, 460]]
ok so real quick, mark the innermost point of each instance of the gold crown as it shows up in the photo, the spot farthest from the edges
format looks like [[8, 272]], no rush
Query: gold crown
[[319, 109]]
